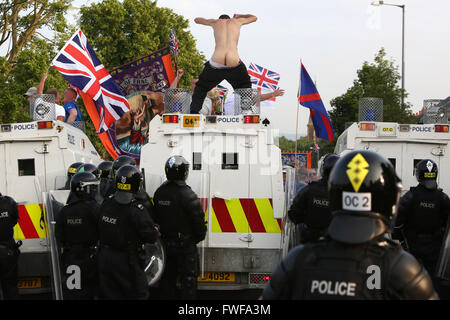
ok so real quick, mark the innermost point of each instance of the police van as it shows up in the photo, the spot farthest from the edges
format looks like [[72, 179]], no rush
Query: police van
[[236, 171], [404, 145], [34, 158]]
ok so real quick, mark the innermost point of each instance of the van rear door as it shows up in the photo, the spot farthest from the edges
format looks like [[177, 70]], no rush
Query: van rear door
[[25, 178]]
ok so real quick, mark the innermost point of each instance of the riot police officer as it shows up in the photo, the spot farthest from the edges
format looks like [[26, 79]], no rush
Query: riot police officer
[[116, 165], [422, 217], [77, 234], [141, 196], [310, 209], [92, 168], [356, 260], [182, 223], [9, 252], [124, 226], [105, 168], [89, 167], [70, 172]]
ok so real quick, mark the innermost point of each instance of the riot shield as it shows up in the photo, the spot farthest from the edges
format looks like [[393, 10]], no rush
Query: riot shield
[[289, 230], [200, 184], [443, 270], [53, 202], [154, 257]]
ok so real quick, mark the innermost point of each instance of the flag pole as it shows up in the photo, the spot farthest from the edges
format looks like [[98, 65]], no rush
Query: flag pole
[[175, 55], [296, 124]]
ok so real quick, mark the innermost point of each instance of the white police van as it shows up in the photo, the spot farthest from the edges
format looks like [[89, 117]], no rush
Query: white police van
[[34, 158], [404, 145], [236, 171]]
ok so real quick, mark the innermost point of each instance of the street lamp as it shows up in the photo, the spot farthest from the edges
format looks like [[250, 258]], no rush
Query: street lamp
[[381, 3]]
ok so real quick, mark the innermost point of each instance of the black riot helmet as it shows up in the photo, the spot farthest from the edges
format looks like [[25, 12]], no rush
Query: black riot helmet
[[364, 191], [84, 185], [121, 161], [73, 168], [89, 167], [177, 168], [426, 173], [128, 181], [105, 168], [328, 163]]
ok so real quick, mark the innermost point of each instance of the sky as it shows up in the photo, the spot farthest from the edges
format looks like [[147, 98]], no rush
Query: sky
[[333, 38]]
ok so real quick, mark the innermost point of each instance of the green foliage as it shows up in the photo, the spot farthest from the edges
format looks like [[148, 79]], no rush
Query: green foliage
[[379, 79], [120, 32]]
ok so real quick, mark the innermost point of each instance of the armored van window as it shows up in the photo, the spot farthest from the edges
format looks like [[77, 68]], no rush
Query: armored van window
[[230, 161], [393, 161], [196, 161], [26, 167]]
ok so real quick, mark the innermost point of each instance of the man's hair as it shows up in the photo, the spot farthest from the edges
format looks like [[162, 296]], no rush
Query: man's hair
[[52, 91], [224, 16]]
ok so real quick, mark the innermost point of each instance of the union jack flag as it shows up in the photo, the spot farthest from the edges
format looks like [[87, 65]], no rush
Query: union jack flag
[[222, 91], [80, 66], [263, 77], [173, 42]]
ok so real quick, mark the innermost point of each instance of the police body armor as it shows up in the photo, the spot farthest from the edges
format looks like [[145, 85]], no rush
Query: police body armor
[[179, 226], [311, 210], [424, 223], [321, 278], [9, 251], [76, 229], [122, 228]]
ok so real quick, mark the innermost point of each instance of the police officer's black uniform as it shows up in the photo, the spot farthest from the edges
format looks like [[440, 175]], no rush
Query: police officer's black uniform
[[105, 168], [310, 208], [181, 218], [77, 232], [9, 252], [124, 226], [356, 260], [422, 217]]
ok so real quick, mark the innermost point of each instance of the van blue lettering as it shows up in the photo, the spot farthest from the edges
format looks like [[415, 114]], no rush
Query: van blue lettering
[[226, 119], [28, 126], [421, 129]]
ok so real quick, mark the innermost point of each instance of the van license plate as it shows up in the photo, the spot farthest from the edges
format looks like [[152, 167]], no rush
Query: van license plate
[[29, 283], [191, 121], [217, 277]]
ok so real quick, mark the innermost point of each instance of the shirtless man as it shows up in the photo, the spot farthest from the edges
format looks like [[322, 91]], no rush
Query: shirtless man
[[225, 63]]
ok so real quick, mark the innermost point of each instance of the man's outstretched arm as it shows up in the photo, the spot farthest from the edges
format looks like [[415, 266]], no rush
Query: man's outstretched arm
[[245, 18], [206, 22]]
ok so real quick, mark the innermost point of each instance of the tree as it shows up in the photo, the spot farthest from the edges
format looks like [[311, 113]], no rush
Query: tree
[[121, 32], [380, 80], [22, 19]]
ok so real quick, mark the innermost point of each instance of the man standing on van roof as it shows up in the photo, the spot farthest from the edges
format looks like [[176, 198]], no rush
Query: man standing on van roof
[[225, 62]]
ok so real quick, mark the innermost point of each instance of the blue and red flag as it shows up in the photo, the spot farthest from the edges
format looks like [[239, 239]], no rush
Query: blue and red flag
[[309, 97]]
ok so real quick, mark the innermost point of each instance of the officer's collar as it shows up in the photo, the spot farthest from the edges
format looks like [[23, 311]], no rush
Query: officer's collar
[[179, 182]]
